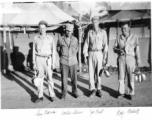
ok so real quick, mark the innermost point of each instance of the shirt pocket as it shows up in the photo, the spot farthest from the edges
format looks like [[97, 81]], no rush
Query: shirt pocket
[[47, 45], [100, 42], [132, 45], [74, 48], [92, 38], [38, 46], [64, 50]]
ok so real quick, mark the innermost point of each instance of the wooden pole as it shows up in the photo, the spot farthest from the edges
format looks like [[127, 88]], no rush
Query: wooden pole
[[10, 50], [150, 50], [10, 39], [108, 37], [90, 14], [117, 29], [4, 51], [79, 52], [108, 33]]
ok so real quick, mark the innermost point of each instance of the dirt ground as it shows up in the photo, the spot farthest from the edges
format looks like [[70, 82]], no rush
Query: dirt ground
[[17, 92]]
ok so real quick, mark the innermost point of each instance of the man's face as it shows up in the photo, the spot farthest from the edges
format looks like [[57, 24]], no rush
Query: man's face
[[68, 33], [125, 29], [95, 24], [42, 29]]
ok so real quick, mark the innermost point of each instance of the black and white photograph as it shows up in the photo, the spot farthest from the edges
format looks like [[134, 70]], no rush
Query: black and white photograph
[[62, 55]]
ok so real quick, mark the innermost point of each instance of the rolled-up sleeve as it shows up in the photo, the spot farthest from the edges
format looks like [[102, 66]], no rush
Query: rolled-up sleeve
[[86, 45]]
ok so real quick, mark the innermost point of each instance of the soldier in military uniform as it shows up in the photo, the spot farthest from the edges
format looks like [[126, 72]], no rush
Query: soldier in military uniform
[[127, 47], [44, 60], [95, 48], [67, 48]]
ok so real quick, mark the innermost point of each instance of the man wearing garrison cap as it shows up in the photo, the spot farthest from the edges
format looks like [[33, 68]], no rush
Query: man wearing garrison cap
[[44, 60], [67, 47], [95, 48]]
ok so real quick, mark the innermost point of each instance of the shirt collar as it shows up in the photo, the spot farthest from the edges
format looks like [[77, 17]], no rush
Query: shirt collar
[[93, 31], [41, 36], [123, 38]]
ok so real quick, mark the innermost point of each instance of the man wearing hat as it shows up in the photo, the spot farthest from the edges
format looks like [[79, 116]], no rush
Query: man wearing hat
[[127, 47], [95, 49], [67, 48], [44, 60]]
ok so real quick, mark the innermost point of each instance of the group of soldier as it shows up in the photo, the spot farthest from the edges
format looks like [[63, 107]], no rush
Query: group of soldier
[[95, 51]]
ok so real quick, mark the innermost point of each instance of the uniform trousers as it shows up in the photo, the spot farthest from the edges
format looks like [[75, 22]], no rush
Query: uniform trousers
[[45, 69], [126, 66], [65, 69], [95, 66]]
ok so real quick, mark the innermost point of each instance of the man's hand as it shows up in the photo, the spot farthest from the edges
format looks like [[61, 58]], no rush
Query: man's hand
[[85, 60], [53, 66], [119, 51], [104, 62], [34, 66], [137, 63], [122, 52]]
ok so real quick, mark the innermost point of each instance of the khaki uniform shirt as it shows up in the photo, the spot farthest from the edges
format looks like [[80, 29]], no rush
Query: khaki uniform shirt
[[129, 45], [44, 46], [96, 42], [67, 49]]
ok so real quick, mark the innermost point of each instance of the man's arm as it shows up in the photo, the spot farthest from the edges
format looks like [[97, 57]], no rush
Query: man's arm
[[34, 52], [85, 47], [75, 49], [137, 52], [54, 52], [105, 50], [58, 46], [116, 48]]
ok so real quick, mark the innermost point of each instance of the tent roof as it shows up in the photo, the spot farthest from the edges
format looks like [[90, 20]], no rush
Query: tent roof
[[7, 18], [34, 12], [67, 8], [125, 15], [130, 5]]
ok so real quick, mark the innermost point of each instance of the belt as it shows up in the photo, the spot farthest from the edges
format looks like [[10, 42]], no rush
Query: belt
[[45, 56], [94, 50]]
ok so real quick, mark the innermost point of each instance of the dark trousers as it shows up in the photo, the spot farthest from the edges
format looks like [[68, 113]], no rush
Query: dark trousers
[[65, 69]]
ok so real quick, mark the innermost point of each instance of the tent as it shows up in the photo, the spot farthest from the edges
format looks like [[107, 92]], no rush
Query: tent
[[126, 15], [48, 12], [130, 5], [125, 5]]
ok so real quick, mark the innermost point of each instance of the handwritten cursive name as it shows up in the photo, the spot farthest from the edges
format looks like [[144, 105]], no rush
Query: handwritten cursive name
[[96, 111], [68, 112], [77, 112], [133, 111], [120, 113], [41, 113]]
